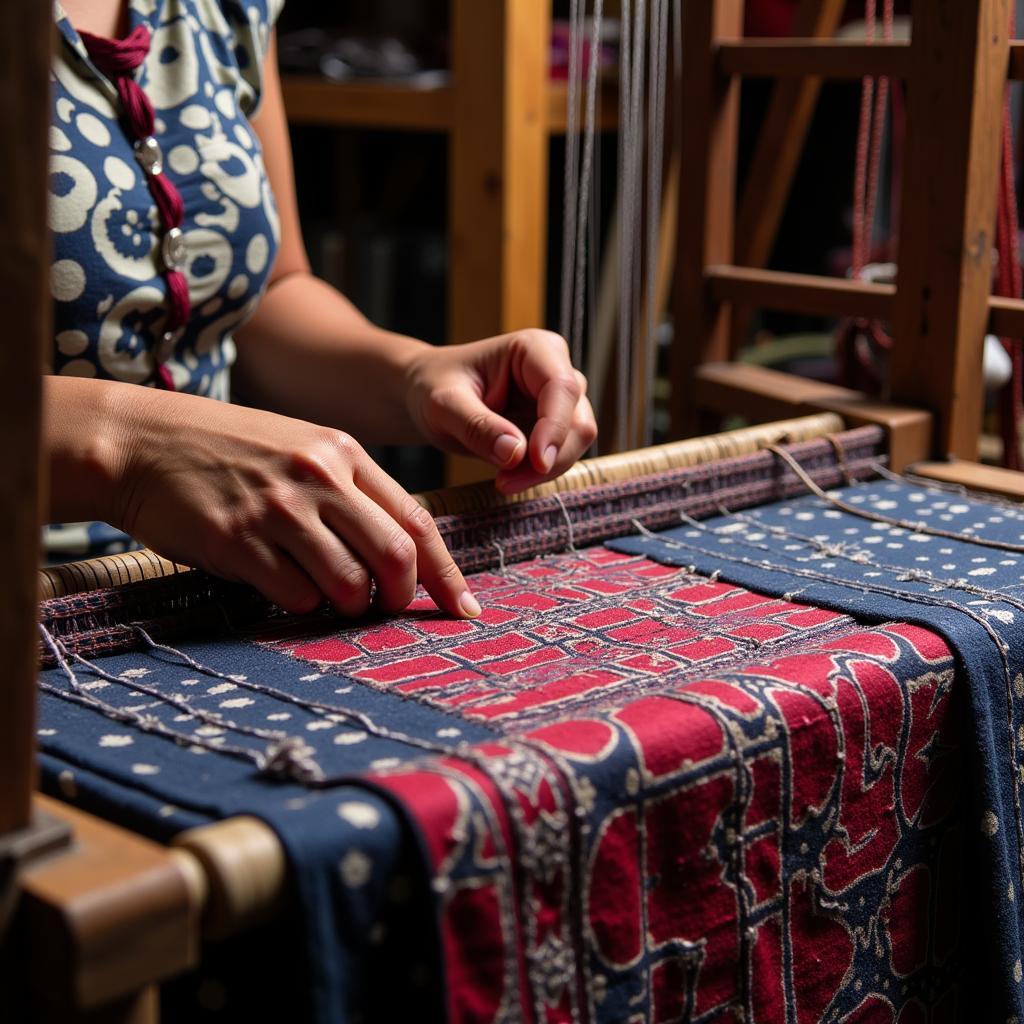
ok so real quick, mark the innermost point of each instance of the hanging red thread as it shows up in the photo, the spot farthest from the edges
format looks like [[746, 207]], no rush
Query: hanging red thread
[[118, 59], [854, 362]]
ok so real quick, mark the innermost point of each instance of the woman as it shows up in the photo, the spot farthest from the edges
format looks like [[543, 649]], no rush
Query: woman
[[176, 232]]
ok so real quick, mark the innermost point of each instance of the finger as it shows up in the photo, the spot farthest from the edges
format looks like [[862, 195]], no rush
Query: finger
[[328, 561], [435, 567], [461, 414], [548, 375], [579, 439], [387, 551], [271, 571]]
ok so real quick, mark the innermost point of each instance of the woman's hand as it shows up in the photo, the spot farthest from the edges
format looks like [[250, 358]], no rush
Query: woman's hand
[[300, 512], [514, 400]]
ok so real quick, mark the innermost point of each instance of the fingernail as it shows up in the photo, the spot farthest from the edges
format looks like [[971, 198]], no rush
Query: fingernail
[[548, 457], [470, 605], [505, 448]]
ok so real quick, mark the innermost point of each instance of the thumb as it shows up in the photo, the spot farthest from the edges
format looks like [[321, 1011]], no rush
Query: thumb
[[461, 414]]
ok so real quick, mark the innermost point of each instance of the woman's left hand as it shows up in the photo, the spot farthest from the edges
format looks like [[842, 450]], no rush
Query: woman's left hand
[[514, 401]]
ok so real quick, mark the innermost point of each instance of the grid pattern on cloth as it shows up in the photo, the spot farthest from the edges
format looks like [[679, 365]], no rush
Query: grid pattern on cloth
[[560, 636]]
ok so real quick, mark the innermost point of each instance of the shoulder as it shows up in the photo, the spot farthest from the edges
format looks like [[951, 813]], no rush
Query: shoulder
[[245, 26], [243, 18]]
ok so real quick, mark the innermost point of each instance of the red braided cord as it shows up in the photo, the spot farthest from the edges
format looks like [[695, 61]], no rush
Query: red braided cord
[[118, 58], [878, 135], [854, 362]]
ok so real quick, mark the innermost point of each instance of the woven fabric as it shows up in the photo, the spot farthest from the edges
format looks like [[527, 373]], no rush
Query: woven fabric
[[951, 563], [625, 794]]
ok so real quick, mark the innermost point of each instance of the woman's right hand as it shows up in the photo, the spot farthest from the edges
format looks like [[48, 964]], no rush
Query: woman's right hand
[[298, 511]]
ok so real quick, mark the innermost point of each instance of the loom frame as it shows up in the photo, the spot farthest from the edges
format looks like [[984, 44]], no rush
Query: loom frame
[[110, 883], [959, 60]]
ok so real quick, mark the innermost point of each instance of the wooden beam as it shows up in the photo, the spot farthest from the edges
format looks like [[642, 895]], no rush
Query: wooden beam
[[754, 288], [758, 394], [975, 477], [707, 191], [953, 148], [823, 58], [800, 293], [1006, 317], [105, 921], [310, 99], [25, 42]]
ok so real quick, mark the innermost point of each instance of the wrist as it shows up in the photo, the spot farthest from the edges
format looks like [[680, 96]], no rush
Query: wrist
[[418, 380], [404, 362]]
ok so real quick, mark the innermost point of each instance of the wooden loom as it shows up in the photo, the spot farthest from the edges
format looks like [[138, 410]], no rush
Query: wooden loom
[[117, 914]]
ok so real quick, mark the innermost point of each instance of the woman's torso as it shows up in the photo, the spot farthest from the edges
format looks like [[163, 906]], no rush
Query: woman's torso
[[203, 77]]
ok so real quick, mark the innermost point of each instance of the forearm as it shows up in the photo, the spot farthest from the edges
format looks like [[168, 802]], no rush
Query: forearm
[[84, 434], [309, 353]]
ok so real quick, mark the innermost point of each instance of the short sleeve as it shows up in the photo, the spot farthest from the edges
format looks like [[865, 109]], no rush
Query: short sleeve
[[250, 23]]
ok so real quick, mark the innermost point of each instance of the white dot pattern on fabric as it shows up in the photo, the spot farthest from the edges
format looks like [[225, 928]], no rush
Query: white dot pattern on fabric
[[359, 814], [355, 869], [116, 740], [67, 280], [346, 739], [93, 129], [183, 160]]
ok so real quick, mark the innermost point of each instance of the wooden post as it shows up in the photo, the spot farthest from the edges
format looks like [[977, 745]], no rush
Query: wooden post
[[710, 110], [497, 175], [498, 167], [959, 61], [25, 39]]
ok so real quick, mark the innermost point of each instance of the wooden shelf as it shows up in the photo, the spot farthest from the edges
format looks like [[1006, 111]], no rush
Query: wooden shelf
[[311, 100]]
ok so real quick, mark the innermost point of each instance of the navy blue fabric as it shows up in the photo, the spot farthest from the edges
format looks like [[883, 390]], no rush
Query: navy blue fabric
[[810, 551], [367, 924]]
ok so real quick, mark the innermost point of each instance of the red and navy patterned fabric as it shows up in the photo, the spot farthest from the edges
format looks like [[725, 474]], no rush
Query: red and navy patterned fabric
[[953, 564], [626, 793], [707, 804]]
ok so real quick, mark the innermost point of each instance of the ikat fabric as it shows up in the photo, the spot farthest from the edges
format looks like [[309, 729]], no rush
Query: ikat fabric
[[944, 561], [203, 76], [626, 794]]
